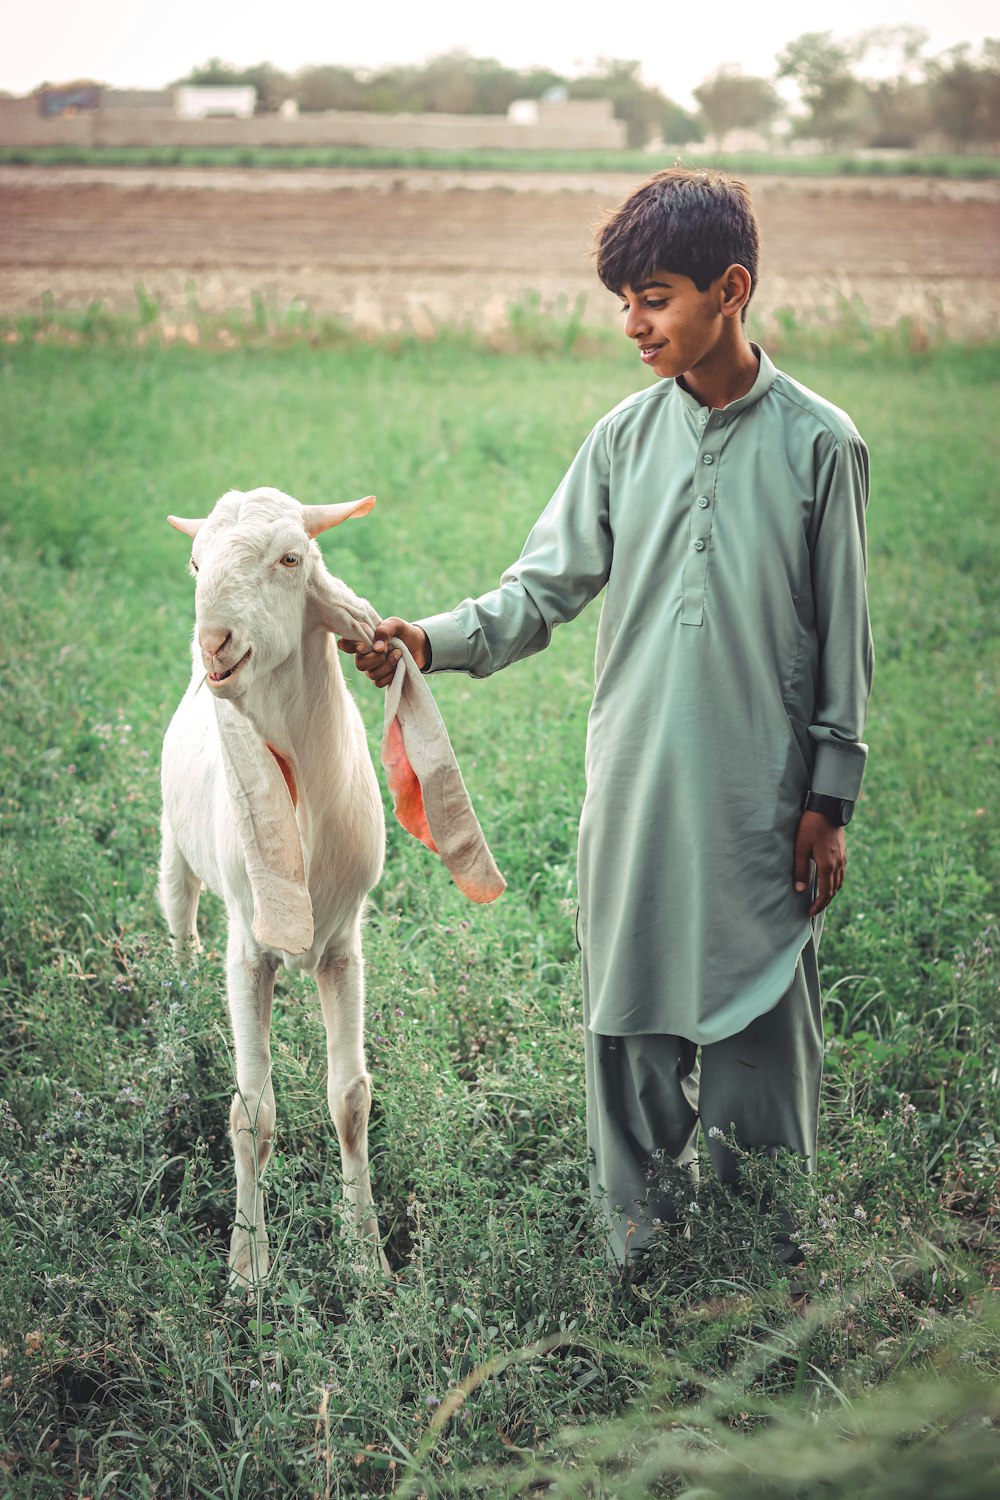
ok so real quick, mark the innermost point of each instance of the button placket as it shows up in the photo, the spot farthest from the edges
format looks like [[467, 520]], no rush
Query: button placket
[[695, 576]]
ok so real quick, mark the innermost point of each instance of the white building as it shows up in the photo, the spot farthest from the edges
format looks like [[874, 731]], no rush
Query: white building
[[227, 102]]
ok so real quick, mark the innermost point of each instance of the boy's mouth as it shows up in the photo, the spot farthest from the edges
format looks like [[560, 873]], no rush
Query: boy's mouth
[[649, 352]]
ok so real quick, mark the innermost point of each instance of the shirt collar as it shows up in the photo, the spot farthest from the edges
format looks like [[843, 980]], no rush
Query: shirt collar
[[765, 379]]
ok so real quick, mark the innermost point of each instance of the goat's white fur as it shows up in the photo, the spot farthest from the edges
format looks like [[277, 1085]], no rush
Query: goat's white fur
[[228, 818]]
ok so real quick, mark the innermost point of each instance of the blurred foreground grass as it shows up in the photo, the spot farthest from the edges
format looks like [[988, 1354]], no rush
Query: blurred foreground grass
[[500, 1359]]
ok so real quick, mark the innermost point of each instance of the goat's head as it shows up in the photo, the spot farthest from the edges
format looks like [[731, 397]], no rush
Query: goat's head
[[257, 567]]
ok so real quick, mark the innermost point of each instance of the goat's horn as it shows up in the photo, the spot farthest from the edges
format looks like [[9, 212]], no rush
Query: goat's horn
[[189, 528], [317, 518]]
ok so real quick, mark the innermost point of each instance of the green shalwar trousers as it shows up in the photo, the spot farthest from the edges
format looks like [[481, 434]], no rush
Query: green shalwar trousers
[[646, 1095]]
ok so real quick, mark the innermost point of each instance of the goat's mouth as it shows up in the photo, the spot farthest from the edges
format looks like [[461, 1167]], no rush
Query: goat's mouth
[[215, 678]]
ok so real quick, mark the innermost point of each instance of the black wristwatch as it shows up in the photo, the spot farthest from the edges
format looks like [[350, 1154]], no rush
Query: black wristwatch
[[837, 809]]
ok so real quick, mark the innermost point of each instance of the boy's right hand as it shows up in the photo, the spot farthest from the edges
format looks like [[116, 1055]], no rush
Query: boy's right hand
[[379, 660]]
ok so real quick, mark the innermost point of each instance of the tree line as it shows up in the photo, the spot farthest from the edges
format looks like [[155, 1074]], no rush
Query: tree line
[[878, 89]]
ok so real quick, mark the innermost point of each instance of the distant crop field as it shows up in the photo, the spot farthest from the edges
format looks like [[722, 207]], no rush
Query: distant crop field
[[499, 1357], [890, 164]]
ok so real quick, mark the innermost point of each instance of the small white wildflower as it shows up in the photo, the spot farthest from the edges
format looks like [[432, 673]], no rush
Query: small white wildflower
[[714, 1133], [693, 1208], [859, 1212]]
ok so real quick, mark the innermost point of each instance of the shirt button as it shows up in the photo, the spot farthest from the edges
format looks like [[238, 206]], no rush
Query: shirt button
[[699, 545], [707, 458], [703, 502], [703, 417]]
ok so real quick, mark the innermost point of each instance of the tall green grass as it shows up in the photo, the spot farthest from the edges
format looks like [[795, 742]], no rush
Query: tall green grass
[[499, 1359]]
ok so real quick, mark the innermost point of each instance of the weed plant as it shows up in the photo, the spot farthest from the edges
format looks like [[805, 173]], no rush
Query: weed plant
[[501, 1360], [836, 325]]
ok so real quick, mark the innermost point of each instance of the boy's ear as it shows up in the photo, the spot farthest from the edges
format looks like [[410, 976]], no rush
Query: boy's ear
[[736, 288]]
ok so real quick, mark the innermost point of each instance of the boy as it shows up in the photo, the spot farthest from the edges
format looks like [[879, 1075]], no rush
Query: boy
[[723, 510]]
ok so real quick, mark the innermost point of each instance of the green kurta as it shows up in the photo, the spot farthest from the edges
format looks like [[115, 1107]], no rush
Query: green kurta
[[732, 673]]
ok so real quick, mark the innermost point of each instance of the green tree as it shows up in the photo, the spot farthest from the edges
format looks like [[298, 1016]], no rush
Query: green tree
[[329, 87], [640, 106], [678, 127], [495, 87], [896, 96], [823, 71], [446, 84], [733, 100], [965, 94]]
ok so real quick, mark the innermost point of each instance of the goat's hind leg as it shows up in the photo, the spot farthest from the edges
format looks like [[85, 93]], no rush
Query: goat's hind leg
[[340, 982], [179, 891], [250, 975]]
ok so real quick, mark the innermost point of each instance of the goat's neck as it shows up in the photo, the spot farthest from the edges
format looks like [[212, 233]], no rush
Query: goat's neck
[[301, 708]]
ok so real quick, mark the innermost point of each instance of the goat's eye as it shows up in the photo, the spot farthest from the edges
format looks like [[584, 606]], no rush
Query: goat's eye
[[290, 560]]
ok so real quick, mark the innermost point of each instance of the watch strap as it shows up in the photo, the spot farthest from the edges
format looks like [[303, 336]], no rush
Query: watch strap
[[837, 809]]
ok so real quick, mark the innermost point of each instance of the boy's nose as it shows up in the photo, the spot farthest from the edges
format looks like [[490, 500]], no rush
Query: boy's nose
[[635, 323]]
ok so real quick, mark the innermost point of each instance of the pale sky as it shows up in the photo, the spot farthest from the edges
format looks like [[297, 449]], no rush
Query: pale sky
[[148, 43]]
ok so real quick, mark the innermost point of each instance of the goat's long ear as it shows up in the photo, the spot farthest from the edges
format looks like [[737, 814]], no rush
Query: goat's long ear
[[269, 834], [429, 796], [317, 518], [338, 608], [189, 528]]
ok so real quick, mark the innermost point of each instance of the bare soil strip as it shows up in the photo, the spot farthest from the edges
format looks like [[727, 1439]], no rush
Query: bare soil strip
[[393, 249]]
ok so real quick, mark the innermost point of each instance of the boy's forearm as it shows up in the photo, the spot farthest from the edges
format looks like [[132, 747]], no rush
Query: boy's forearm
[[843, 627], [447, 643], [480, 636]]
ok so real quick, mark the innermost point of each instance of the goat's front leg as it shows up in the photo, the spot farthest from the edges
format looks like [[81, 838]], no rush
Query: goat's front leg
[[340, 982], [250, 974], [179, 890]]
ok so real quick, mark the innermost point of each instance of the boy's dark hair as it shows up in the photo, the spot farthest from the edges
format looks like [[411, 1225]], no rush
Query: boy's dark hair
[[692, 221]]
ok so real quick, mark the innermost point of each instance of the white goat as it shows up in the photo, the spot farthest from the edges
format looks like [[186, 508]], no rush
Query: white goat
[[268, 766], [271, 800]]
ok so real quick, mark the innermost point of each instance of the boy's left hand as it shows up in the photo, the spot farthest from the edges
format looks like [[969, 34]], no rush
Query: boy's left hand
[[821, 841]]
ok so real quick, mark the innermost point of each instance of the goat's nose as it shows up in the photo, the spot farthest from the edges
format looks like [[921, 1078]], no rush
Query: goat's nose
[[214, 641]]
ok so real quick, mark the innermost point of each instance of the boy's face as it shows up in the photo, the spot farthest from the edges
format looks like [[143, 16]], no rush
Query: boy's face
[[673, 325]]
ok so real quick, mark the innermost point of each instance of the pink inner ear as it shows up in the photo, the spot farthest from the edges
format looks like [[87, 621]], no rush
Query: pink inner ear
[[407, 798]]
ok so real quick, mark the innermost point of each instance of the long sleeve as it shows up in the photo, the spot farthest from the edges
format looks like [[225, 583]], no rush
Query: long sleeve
[[564, 564], [842, 626]]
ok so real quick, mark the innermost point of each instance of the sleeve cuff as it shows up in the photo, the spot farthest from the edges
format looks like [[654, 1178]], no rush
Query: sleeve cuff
[[448, 642], [838, 770]]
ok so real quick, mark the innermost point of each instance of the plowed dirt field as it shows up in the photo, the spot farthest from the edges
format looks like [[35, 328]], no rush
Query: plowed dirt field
[[390, 249]]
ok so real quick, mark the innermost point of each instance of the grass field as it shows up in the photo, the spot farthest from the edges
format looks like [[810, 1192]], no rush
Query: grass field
[[499, 1361], [641, 163]]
